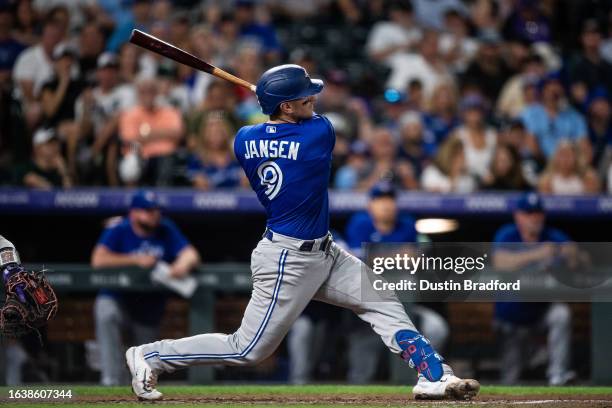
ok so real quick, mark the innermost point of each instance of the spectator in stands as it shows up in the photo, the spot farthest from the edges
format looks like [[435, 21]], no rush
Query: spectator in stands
[[488, 69], [219, 101], [515, 135], [456, 46], [47, 168], [260, 30], [34, 67], [551, 120], [417, 144], [478, 139], [448, 173], [97, 114], [10, 48], [427, 66], [213, 164], [130, 67], [336, 98], [506, 172], [599, 114], [142, 239], [227, 36], [355, 170], [382, 222], [567, 173], [590, 70], [529, 243], [58, 97], [154, 129], [397, 36], [139, 18], [203, 44], [441, 116], [528, 23], [26, 24], [385, 164], [343, 142], [248, 65], [91, 45], [515, 94], [431, 14]]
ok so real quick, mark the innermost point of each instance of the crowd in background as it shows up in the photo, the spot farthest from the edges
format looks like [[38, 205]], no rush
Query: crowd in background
[[442, 96]]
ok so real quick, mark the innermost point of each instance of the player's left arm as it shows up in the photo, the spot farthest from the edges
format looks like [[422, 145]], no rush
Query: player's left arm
[[186, 257]]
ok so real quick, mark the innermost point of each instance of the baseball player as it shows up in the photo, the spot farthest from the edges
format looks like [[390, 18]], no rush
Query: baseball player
[[287, 161]]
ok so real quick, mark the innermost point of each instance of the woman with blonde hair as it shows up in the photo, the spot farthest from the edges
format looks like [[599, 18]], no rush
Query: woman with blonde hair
[[567, 174], [212, 164], [448, 173], [441, 117]]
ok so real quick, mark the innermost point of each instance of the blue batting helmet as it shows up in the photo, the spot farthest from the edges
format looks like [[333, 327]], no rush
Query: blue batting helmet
[[284, 83]]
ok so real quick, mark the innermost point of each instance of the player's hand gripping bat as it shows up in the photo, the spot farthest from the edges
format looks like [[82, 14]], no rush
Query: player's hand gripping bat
[[160, 47]]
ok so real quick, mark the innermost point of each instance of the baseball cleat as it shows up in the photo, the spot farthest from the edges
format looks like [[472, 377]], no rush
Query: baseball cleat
[[144, 378], [448, 387]]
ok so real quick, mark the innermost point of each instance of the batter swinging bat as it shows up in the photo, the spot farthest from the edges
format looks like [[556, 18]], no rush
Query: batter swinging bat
[[160, 47]]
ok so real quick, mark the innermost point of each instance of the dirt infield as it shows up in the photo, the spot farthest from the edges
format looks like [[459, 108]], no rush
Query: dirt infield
[[357, 400], [322, 396]]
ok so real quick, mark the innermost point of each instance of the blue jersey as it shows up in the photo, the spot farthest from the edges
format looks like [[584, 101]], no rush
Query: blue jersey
[[165, 244], [360, 229], [516, 312], [288, 166]]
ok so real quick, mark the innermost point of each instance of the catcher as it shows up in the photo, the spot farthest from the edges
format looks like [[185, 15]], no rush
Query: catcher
[[29, 302]]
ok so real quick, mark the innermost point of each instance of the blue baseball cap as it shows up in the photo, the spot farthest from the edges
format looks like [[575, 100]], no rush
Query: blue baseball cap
[[383, 189], [144, 200], [530, 202], [599, 92]]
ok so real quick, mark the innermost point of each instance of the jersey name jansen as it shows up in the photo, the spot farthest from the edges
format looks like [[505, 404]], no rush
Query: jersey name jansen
[[271, 148]]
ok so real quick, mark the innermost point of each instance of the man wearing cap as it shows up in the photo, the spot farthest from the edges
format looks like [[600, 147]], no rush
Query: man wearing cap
[[141, 239], [382, 222], [288, 162], [529, 243], [97, 110], [47, 168]]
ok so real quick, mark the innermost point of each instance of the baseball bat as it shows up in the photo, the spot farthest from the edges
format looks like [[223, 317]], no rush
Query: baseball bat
[[152, 43]]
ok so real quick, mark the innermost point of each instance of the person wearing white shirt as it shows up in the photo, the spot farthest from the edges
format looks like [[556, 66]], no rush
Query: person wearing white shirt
[[34, 65], [398, 35], [426, 66]]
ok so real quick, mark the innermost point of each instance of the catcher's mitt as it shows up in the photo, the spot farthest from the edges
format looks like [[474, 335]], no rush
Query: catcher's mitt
[[30, 303]]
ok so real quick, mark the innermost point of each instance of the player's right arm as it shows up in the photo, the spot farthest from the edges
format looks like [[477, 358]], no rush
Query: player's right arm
[[107, 253], [103, 257], [510, 258]]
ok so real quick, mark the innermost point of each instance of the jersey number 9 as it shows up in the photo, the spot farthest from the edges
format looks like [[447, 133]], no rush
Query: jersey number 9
[[271, 177]]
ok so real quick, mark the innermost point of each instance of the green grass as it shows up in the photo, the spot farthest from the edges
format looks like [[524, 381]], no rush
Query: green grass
[[330, 389], [176, 392]]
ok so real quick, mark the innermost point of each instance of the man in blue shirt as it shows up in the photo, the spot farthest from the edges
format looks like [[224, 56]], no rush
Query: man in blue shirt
[[552, 121], [141, 239], [529, 243], [288, 163], [382, 222]]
